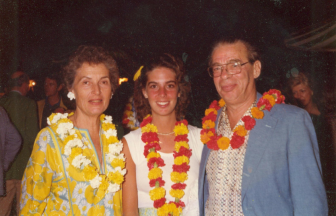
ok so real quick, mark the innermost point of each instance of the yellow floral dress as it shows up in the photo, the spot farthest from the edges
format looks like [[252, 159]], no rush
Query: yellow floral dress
[[53, 186]]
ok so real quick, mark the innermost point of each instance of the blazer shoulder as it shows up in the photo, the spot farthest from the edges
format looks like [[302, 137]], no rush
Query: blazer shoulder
[[287, 111]]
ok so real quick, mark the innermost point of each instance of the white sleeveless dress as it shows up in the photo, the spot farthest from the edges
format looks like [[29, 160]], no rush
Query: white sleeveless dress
[[190, 198]]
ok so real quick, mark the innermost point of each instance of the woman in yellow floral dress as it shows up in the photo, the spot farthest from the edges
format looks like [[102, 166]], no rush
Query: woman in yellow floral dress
[[76, 167]]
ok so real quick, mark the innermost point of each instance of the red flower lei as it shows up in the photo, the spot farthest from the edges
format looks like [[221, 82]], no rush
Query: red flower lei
[[215, 142], [181, 166]]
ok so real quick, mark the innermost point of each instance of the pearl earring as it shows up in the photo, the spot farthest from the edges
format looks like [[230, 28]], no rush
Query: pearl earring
[[71, 96], [111, 96]]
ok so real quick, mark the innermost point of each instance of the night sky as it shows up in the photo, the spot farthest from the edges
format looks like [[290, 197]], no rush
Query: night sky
[[37, 35]]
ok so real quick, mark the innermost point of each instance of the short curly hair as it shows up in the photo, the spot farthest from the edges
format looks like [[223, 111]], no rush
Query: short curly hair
[[92, 55], [165, 60]]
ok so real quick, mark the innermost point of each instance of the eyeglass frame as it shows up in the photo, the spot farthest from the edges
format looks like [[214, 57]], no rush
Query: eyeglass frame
[[222, 68]]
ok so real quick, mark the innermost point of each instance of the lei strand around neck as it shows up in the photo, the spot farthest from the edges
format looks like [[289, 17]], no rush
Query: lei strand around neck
[[181, 166], [73, 149], [219, 142]]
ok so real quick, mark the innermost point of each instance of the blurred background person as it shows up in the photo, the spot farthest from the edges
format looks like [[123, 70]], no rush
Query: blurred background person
[[22, 113], [10, 143], [81, 148], [53, 101], [303, 94]]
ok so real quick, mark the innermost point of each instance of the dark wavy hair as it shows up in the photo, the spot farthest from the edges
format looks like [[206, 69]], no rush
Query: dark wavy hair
[[141, 104], [92, 55]]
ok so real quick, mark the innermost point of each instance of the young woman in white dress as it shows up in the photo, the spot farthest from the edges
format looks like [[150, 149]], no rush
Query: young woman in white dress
[[163, 142]]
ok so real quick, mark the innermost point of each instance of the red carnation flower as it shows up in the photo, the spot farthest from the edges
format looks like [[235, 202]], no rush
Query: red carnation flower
[[203, 131], [181, 138], [182, 122], [149, 146], [236, 141], [183, 151], [160, 202], [211, 116], [265, 102], [249, 122], [212, 144], [180, 186], [181, 168], [214, 104], [159, 162], [153, 182], [146, 121], [149, 137], [125, 121], [179, 204]]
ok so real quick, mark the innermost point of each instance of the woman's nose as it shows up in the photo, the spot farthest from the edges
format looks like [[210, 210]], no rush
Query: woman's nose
[[162, 92], [96, 89]]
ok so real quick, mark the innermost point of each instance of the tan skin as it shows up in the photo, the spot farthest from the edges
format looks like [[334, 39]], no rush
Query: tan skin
[[51, 90], [304, 95], [238, 90], [162, 93], [92, 89]]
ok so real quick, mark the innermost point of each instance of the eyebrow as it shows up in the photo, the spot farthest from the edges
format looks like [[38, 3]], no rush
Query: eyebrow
[[170, 81], [230, 61], [86, 77]]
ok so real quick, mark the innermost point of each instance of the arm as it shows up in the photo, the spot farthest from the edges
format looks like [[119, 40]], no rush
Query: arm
[[13, 140], [130, 191], [307, 189], [37, 178]]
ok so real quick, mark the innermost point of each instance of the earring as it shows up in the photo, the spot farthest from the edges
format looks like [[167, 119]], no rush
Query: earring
[[71, 96], [111, 96]]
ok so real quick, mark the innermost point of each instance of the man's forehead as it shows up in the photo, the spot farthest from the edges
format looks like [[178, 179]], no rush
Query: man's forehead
[[16, 74], [229, 52]]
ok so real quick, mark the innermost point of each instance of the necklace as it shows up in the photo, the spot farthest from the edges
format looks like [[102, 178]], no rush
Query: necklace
[[165, 134], [181, 166], [74, 150], [218, 142]]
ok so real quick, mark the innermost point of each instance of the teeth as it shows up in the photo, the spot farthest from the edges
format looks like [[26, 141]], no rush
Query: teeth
[[95, 100], [162, 103]]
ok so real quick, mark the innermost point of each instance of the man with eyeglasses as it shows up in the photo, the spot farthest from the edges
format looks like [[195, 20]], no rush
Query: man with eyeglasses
[[276, 168]]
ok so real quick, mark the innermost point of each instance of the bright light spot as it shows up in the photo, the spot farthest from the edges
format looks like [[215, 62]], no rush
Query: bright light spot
[[121, 80], [32, 83]]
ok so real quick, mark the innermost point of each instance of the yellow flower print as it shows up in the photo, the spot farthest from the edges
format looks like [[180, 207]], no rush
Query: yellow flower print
[[93, 196], [104, 183], [75, 152], [118, 163], [38, 157], [181, 159], [178, 177], [32, 207], [154, 173], [43, 184], [97, 210], [90, 172], [208, 111], [157, 193], [176, 193], [240, 130]]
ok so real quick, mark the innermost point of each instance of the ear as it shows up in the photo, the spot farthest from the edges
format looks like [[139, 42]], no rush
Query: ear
[[144, 92], [256, 69], [60, 87]]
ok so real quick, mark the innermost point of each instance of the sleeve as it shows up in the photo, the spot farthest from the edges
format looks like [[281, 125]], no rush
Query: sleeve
[[37, 178], [31, 125], [307, 189], [13, 141], [197, 143]]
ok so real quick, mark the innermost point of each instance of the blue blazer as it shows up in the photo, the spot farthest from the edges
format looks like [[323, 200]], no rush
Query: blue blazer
[[282, 170]]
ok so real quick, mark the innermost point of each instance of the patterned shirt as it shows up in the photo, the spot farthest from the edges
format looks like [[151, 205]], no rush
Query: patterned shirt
[[224, 170], [53, 186]]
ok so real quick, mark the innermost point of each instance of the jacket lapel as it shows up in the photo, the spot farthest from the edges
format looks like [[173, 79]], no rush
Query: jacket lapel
[[259, 138]]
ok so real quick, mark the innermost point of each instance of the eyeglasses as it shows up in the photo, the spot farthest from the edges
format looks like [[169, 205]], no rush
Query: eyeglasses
[[231, 68]]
